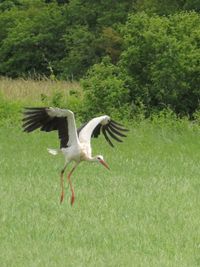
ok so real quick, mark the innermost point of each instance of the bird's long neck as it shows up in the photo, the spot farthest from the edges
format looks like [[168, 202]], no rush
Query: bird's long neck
[[91, 159]]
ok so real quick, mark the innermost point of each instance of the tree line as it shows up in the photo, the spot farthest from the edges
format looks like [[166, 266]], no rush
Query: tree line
[[141, 54]]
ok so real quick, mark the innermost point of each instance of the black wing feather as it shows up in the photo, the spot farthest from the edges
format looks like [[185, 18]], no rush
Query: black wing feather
[[112, 135], [97, 131], [116, 132], [35, 118], [32, 127], [80, 128], [112, 121], [118, 128], [112, 128], [106, 136]]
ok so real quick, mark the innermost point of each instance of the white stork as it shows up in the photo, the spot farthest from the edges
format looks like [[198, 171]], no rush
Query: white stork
[[74, 143]]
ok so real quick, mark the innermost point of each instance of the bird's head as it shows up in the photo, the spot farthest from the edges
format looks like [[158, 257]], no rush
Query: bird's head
[[100, 159]]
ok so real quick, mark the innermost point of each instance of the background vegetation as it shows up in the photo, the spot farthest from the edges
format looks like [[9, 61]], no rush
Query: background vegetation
[[138, 61], [147, 51]]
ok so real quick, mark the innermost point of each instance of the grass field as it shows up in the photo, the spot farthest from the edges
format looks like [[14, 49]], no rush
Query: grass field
[[144, 212], [30, 91]]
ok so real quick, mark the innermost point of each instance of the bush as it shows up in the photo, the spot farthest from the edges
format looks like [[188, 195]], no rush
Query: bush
[[163, 7], [31, 39], [104, 89], [73, 101], [161, 59], [79, 44]]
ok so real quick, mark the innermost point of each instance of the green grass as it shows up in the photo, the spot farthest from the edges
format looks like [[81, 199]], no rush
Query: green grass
[[144, 212], [30, 91]]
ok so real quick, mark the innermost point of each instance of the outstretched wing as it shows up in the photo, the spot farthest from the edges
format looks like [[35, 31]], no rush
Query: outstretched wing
[[50, 119], [109, 128]]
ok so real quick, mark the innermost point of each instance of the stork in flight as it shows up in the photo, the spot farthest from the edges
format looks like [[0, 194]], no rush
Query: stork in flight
[[74, 143]]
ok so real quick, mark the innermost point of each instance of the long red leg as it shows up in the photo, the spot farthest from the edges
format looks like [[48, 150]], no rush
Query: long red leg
[[62, 183], [62, 186], [70, 183]]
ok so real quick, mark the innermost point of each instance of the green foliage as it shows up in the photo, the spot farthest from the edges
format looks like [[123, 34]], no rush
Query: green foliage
[[158, 68], [73, 101], [60, 2], [31, 39], [192, 5], [10, 112], [98, 14], [80, 55], [57, 99], [36, 34], [166, 7], [156, 57], [161, 59], [86, 38], [104, 89], [110, 43], [8, 4]]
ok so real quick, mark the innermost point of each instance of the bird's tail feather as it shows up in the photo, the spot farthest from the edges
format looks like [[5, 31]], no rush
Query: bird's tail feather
[[53, 151]]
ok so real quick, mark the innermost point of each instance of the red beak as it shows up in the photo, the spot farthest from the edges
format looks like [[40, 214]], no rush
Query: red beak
[[104, 164]]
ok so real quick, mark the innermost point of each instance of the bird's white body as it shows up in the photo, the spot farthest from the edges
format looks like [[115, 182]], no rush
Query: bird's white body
[[77, 153], [75, 144], [79, 148]]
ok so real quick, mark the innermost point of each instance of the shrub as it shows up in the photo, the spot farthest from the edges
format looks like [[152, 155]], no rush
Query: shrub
[[104, 88], [73, 101], [31, 39], [161, 58], [79, 44]]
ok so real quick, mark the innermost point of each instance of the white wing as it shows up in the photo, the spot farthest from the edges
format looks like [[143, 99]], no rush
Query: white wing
[[109, 128], [49, 119], [72, 131], [86, 132]]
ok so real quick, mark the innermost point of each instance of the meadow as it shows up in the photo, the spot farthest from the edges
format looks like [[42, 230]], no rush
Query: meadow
[[28, 90], [143, 212]]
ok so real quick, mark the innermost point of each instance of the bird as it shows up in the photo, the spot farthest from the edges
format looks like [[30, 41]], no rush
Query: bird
[[75, 143]]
